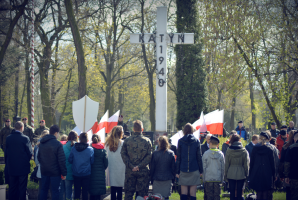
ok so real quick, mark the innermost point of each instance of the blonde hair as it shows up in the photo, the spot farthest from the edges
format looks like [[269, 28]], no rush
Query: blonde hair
[[114, 138], [263, 140], [43, 133], [63, 137]]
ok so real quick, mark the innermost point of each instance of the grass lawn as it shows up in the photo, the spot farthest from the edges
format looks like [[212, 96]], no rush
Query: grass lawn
[[200, 195]]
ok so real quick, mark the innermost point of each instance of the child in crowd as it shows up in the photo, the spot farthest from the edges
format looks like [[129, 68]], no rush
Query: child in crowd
[[213, 170], [81, 157], [97, 183], [63, 139]]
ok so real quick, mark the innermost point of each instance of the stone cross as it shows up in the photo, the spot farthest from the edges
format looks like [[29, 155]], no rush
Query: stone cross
[[161, 38]]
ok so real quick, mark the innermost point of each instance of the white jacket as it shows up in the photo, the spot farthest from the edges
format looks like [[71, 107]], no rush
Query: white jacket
[[116, 169]]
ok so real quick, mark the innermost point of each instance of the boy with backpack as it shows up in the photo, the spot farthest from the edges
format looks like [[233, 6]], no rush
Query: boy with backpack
[[213, 170]]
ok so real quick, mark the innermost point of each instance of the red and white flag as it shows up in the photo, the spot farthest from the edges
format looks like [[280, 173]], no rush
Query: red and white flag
[[103, 121], [113, 121], [214, 122], [102, 135]]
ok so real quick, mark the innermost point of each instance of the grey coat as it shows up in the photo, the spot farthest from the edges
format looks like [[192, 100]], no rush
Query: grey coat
[[213, 166]]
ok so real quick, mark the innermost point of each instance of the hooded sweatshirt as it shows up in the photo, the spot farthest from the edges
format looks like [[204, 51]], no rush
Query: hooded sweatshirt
[[236, 162], [213, 166], [81, 157]]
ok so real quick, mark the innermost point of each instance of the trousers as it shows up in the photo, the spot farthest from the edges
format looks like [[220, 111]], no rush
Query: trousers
[[133, 179]]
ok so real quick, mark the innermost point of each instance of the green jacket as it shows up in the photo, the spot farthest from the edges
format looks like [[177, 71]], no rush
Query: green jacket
[[97, 183], [3, 134], [39, 130], [236, 162], [136, 151], [67, 149], [29, 131]]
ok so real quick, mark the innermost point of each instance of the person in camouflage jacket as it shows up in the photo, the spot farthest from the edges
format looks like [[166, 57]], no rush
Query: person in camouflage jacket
[[28, 130], [4, 133], [42, 127], [136, 154]]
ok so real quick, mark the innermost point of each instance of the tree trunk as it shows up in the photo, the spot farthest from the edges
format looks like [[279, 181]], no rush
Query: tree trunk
[[66, 98], [16, 91], [252, 103], [219, 99], [79, 49], [1, 116], [232, 120], [45, 96], [149, 74]]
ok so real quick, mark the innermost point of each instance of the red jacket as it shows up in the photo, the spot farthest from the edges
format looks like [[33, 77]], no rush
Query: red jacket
[[280, 143]]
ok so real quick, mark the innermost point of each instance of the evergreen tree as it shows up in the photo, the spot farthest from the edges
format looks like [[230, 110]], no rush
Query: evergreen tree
[[190, 74]]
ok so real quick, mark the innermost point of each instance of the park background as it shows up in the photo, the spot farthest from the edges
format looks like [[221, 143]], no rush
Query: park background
[[244, 60]]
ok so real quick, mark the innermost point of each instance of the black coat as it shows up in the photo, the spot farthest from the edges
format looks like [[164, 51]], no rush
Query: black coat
[[174, 149], [18, 154], [291, 162], [51, 157], [249, 148], [162, 166], [204, 148], [97, 183], [262, 168]]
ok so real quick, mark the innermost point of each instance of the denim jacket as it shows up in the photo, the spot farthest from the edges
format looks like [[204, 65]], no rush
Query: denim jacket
[[189, 157]]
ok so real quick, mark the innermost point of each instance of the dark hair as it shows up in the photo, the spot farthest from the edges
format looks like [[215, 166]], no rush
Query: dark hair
[[273, 141], [54, 129], [18, 126], [137, 126], [163, 143], [290, 139], [235, 138], [214, 141], [188, 129], [83, 138], [95, 139], [254, 137], [72, 137]]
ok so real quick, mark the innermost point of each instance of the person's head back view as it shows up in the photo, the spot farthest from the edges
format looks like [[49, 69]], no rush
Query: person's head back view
[[95, 139], [72, 137], [83, 138], [163, 143], [138, 126], [188, 129], [264, 137], [235, 138], [114, 138], [54, 130], [19, 126]]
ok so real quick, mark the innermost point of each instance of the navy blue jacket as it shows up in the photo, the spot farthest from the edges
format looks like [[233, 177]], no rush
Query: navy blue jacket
[[189, 157], [249, 148], [18, 153], [81, 157], [243, 132]]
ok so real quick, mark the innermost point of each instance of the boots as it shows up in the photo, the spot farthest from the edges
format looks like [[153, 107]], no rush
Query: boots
[[183, 197]]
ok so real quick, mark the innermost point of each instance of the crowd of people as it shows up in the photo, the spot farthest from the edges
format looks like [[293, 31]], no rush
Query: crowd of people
[[126, 161]]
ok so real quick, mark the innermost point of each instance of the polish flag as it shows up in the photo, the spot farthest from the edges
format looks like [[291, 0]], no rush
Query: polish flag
[[201, 123], [102, 135], [95, 127], [113, 121], [103, 121], [214, 122], [197, 134]]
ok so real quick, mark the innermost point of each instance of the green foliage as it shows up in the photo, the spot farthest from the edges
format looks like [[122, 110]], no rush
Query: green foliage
[[190, 74]]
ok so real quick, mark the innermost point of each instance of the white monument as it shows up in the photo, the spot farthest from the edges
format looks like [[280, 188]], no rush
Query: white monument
[[162, 39]]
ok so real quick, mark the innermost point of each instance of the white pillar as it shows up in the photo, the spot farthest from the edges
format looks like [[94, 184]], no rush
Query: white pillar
[[161, 85]]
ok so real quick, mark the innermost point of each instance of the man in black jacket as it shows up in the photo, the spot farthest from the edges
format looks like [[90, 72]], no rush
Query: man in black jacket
[[291, 166], [18, 154], [52, 163], [205, 146], [274, 132]]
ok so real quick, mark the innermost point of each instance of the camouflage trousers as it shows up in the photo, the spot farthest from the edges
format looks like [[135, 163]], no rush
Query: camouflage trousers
[[135, 180], [212, 191], [294, 189]]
